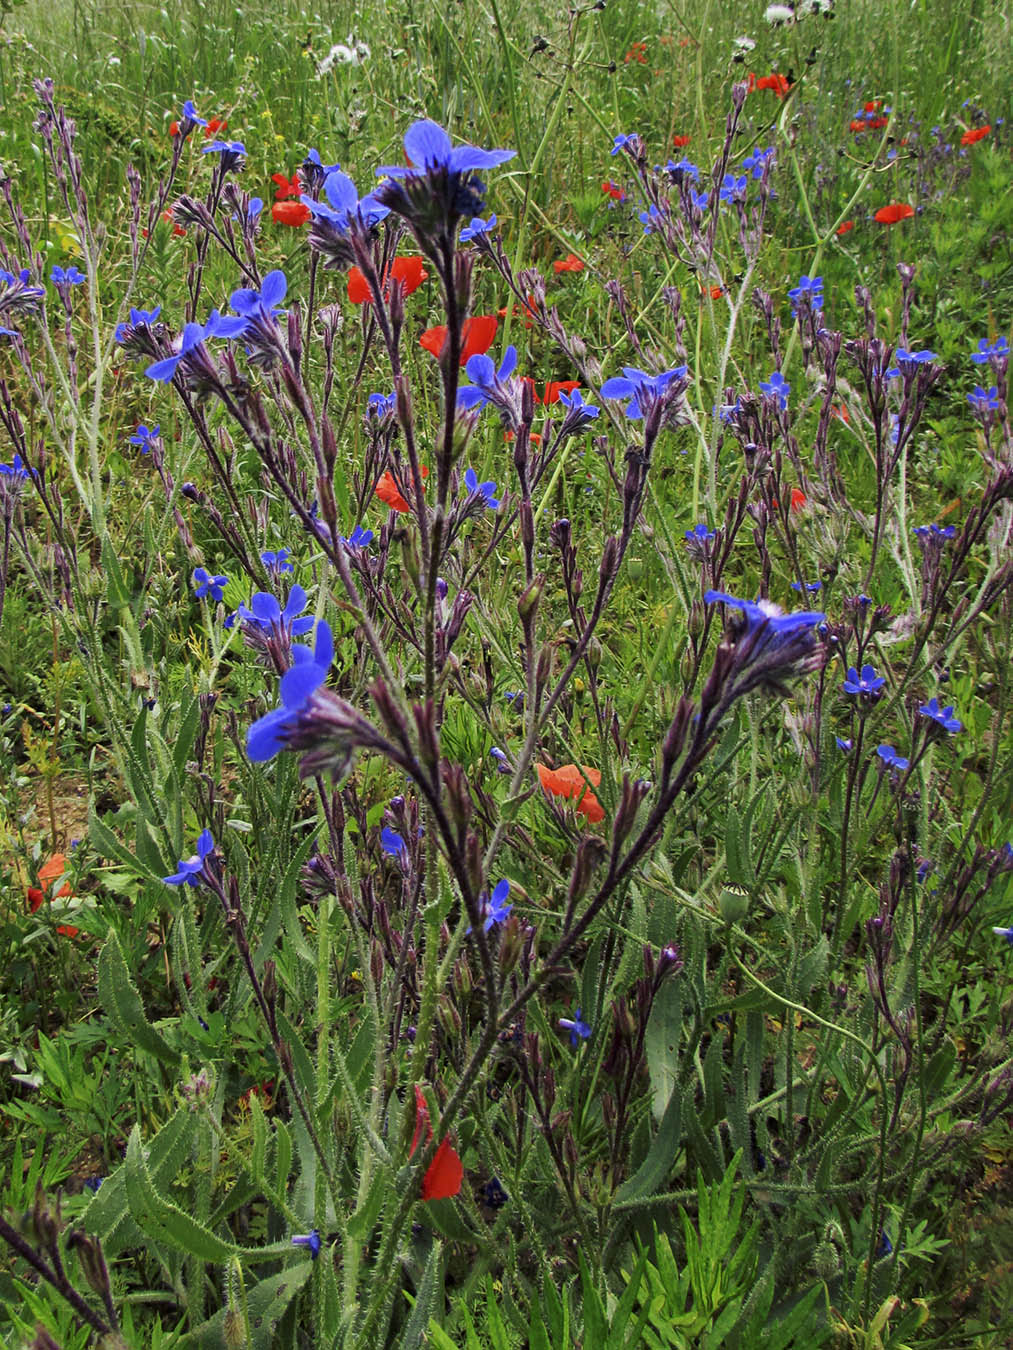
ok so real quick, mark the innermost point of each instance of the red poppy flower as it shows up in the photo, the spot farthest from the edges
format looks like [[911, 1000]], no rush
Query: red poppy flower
[[778, 83], [390, 494], [716, 292], [264, 1091], [975, 135], [611, 190], [173, 128], [286, 187], [50, 872], [290, 213], [168, 217], [845, 227], [871, 107], [554, 388], [478, 334], [445, 1173], [798, 499], [890, 215], [214, 125], [528, 313], [571, 263], [841, 413], [569, 781], [409, 271], [638, 52], [680, 141]]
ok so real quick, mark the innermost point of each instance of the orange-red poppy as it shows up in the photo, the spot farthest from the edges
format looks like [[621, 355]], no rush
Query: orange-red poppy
[[214, 125], [975, 135], [528, 313], [638, 53], [554, 388], [571, 263], [390, 494], [50, 872], [775, 82], [286, 187], [716, 292], [680, 141], [445, 1173], [290, 213], [173, 128], [841, 413], [890, 215], [409, 271], [612, 190], [568, 781], [478, 334], [169, 218], [798, 499], [845, 226]]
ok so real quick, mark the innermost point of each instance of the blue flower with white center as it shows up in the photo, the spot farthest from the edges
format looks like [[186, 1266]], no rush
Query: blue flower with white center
[[477, 228], [733, 189], [70, 277], [868, 682], [487, 491], [579, 413], [359, 538], [777, 387], [379, 405], [639, 387], [310, 1240], [143, 437], [984, 401], [843, 745], [205, 584], [343, 205], [267, 735], [808, 288], [232, 152], [890, 757], [486, 381], [262, 304], [989, 350], [193, 335], [277, 562], [699, 534], [943, 717], [191, 870], [494, 908], [577, 1027], [265, 612], [760, 613]]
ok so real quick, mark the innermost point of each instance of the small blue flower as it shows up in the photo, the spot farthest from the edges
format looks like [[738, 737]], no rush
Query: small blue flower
[[232, 153], [842, 744], [359, 538], [206, 584], [191, 870], [578, 1029], [262, 304], [733, 189], [922, 358], [649, 218], [699, 200], [193, 334], [143, 437], [684, 168], [429, 148], [618, 144], [494, 908], [943, 717], [699, 534], [777, 387], [394, 845], [70, 277], [266, 736], [477, 228], [485, 490], [890, 757], [379, 405], [926, 532], [810, 586], [502, 763], [265, 612], [310, 1240], [15, 469], [987, 350], [637, 386], [866, 683], [753, 163], [486, 380], [810, 288], [138, 318], [984, 400], [190, 118], [343, 205], [580, 412], [277, 562], [885, 1246], [1007, 933]]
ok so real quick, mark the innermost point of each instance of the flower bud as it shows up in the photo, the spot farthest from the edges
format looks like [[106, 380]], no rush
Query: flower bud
[[448, 1016], [527, 604], [733, 904], [826, 1261]]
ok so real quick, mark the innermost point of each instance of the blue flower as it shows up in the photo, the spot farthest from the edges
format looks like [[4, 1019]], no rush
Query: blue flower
[[486, 380], [477, 228], [1007, 933], [890, 756], [359, 538], [429, 148], [637, 386], [683, 168], [502, 763], [262, 304], [189, 118], [143, 437], [485, 490], [984, 400], [343, 205], [494, 908], [941, 716], [808, 287], [760, 612], [843, 744], [192, 336], [809, 586], [255, 207], [699, 534], [619, 143], [138, 317], [16, 469], [277, 562], [394, 846], [733, 189], [70, 277], [191, 870], [921, 358], [699, 200], [885, 1246], [754, 162], [777, 387], [267, 735], [649, 218], [206, 584], [866, 683], [987, 350], [579, 413], [310, 1240], [232, 153], [578, 1029], [379, 405], [933, 531], [266, 613]]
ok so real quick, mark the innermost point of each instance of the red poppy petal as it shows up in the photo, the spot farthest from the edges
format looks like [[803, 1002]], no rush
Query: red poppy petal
[[444, 1175], [358, 287]]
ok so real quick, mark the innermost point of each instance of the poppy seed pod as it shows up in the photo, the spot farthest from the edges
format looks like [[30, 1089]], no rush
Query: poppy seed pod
[[733, 904]]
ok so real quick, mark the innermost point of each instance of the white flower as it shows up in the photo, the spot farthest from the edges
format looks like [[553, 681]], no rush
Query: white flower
[[350, 53], [779, 14], [744, 44]]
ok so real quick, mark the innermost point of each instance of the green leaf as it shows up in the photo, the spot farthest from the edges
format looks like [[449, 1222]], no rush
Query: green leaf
[[430, 1292], [107, 845], [123, 1003], [651, 1174], [661, 1043], [108, 1213], [265, 1302], [163, 1220]]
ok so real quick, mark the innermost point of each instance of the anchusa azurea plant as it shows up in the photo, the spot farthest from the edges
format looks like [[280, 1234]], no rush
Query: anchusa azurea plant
[[556, 863]]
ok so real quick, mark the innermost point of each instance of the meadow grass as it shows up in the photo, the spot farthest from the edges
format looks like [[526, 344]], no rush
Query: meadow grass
[[571, 949]]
